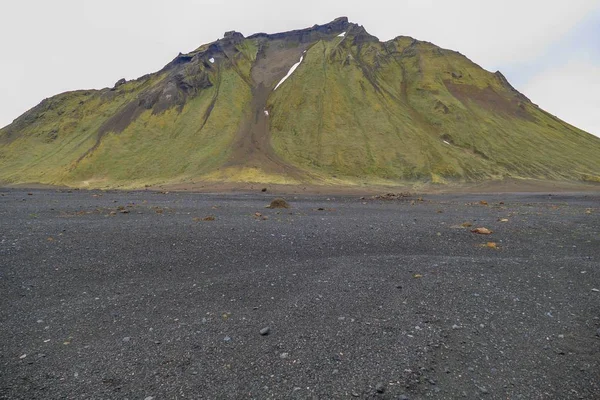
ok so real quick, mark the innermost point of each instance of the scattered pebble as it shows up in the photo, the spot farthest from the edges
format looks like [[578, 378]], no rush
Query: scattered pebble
[[23, 356]]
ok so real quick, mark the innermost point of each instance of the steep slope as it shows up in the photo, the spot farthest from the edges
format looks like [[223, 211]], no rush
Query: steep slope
[[354, 110], [409, 110]]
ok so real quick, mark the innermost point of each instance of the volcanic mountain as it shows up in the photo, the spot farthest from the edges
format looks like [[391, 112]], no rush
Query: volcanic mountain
[[330, 104]]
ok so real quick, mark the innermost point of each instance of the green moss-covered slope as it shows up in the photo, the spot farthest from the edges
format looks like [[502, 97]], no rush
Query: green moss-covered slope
[[355, 110]]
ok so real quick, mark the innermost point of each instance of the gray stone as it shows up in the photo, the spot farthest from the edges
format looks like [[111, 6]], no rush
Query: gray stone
[[265, 331]]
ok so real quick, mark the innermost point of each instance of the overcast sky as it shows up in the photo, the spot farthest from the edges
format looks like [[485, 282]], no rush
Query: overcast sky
[[549, 50]]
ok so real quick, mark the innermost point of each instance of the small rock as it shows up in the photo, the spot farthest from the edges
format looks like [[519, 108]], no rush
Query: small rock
[[120, 82], [596, 290], [126, 339], [227, 339], [149, 398], [598, 332], [380, 388], [23, 356], [283, 356], [265, 331], [279, 203], [403, 397], [455, 326], [483, 390]]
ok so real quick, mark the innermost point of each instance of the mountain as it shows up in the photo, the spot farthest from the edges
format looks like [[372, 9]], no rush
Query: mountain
[[330, 104]]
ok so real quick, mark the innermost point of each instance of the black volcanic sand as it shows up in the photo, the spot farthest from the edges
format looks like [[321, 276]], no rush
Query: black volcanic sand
[[363, 299]]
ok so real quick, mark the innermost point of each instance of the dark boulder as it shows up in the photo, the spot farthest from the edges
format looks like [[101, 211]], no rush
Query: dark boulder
[[120, 82]]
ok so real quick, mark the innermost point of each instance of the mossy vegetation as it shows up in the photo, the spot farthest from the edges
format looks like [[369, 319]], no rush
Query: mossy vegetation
[[355, 111], [408, 110]]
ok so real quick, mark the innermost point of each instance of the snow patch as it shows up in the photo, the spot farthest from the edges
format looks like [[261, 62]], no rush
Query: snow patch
[[342, 34], [212, 60], [291, 71]]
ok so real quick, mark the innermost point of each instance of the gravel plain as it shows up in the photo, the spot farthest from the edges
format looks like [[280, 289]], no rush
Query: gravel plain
[[149, 295]]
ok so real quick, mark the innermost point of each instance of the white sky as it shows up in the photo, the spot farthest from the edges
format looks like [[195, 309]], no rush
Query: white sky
[[550, 50]]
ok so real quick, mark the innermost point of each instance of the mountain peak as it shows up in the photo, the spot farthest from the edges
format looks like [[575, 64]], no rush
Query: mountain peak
[[337, 26]]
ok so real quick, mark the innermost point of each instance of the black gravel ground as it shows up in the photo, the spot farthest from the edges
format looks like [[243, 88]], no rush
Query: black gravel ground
[[121, 295]]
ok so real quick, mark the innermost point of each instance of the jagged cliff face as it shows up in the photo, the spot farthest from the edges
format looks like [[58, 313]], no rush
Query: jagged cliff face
[[328, 104]]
